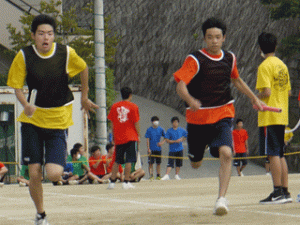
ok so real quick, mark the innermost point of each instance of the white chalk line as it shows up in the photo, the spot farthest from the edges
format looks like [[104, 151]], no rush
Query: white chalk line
[[177, 206]]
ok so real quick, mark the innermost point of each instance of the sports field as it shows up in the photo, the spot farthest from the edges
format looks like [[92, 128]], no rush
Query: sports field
[[189, 201]]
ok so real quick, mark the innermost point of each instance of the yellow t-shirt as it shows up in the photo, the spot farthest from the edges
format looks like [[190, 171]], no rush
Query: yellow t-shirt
[[273, 74], [51, 118]]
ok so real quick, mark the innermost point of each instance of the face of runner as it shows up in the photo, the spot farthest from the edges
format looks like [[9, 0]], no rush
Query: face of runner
[[43, 38], [214, 40], [240, 125]]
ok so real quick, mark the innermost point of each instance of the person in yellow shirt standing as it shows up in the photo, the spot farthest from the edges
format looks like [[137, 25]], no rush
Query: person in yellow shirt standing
[[46, 66], [273, 84]]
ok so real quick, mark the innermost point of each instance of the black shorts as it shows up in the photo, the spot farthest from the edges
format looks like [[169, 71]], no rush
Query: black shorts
[[36, 140], [271, 140], [126, 153], [152, 159], [214, 135], [178, 161], [237, 162]]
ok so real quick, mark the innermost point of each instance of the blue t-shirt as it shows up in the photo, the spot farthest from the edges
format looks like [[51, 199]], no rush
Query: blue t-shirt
[[154, 135], [175, 135]]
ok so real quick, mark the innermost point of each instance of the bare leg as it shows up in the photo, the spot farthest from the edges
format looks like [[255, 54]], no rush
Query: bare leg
[[177, 170], [114, 171], [276, 170], [284, 175], [158, 169], [238, 169], [225, 169], [168, 170], [35, 186], [151, 169], [127, 171]]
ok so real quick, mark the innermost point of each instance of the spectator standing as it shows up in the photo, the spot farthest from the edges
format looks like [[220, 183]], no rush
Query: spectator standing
[[125, 117], [154, 143], [174, 137], [240, 146]]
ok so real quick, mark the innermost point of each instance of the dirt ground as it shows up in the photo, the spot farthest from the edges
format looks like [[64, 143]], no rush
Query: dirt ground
[[187, 202]]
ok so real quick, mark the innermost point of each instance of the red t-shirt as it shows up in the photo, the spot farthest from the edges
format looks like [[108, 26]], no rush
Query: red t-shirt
[[239, 139], [1, 165], [100, 170], [124, 115]]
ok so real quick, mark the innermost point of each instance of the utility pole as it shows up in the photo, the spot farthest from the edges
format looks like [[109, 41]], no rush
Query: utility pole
[[101, 121]]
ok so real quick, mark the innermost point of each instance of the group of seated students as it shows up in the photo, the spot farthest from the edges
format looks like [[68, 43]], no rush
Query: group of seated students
[[79, 170], [96, 170]]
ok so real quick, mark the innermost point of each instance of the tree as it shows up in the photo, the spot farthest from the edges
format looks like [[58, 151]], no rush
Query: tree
[[81, 40], [283, 9]]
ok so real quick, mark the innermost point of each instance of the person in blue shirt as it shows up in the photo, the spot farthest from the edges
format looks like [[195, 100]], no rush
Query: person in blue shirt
[[175, 136], [154, 143]]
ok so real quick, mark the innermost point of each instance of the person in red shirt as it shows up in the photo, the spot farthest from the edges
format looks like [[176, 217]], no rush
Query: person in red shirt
[[97, 163], [240, 147], [3, 172], [110, 160], [125, 117]]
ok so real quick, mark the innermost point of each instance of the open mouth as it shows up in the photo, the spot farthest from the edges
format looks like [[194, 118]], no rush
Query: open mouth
[[45, 44]]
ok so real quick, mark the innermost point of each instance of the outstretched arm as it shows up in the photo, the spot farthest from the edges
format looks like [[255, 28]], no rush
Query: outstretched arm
[[86, 104], [184, 94], [243, 88]]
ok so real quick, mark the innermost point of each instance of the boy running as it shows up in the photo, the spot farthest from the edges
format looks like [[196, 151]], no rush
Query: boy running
[[204, 84], [46, 67]]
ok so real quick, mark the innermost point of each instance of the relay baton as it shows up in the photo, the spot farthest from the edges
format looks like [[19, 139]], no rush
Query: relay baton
[[33, 97], [269, 108]]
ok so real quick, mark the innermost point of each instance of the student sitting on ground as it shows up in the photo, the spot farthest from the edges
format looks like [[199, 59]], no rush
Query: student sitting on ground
[[3, 172], [23, 179]]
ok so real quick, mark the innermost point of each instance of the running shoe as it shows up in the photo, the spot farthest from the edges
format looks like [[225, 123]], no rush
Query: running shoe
[[39, 221], [73, 182], [151, 178], [166, 177], [111, 186], [21, 184], [127, 186], [158, 178], [288, 197], [1, 184], [274, 198], [177, 177], [221, 207]]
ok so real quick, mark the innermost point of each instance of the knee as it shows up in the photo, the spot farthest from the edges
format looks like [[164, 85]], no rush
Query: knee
[[54, 172], [52, 176], [226, 153], [196, 165]]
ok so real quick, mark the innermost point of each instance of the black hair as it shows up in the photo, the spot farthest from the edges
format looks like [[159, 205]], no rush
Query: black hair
[[213, 23], [154, 118], [109, 146], [126, 92], [267, 42], [42, 19], [174, 118], [77, 146], [238, 120], [95, 148], [74, 151]]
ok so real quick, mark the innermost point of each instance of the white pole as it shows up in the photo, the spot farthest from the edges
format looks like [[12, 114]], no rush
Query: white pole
[[101, 126]]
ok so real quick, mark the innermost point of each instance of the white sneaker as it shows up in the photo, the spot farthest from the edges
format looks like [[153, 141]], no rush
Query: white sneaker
[[73, 182], [268, 174], [111, 186], [38, 221], [60, 183], [127, 186], [177, 177], [242, 174], [221, 207], [1, 184], [21, 184], [166, 177]]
